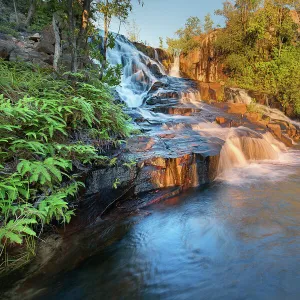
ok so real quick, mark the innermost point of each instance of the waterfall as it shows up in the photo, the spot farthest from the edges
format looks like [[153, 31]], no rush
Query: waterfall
[[175, 70], [160, 65], [241, 96], [243, 145], [190, 97], [139, 71], [156, 55]]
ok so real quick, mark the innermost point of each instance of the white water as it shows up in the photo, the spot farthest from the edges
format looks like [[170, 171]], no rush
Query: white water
[[242, 96], [137, 78], [242, 146], [193, 97], [276, 114], [159, 64], [175, 70]]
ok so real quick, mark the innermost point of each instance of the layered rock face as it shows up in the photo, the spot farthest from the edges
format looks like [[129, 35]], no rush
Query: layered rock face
[[202, 63]]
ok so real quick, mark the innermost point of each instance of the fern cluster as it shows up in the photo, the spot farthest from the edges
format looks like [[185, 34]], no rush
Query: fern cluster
[[41, 115]]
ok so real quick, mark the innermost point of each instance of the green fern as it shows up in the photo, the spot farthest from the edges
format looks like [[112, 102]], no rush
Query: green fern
[[40, 118]]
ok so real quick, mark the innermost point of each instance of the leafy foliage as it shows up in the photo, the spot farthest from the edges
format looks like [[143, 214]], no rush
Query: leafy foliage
[[40, 119], [260, 49], [187, 36]]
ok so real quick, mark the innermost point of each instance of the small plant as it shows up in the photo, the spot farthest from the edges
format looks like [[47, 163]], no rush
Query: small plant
[[116, 183], [254, 108], [130, 164]]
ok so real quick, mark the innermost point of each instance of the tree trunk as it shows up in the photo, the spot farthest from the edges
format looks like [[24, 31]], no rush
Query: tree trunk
[[30, 12], [16, 12], [72, 38], [82, 37], [104, 46], [57, 52]]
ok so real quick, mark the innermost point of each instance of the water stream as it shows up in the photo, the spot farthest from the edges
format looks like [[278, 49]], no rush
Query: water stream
[[237, 238]]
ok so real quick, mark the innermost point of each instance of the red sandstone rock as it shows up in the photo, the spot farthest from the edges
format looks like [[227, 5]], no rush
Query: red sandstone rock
[[275, 129], [252, 117], [220, 120], [237, 108], [286, 140], [202, 63]]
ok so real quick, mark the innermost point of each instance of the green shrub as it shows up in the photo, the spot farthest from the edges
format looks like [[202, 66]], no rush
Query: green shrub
[[8, 29]]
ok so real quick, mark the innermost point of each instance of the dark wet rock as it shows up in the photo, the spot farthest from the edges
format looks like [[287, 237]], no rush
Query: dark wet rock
[[105, 186], [155, 70], [157, 85], [135, 115], [157, 100]]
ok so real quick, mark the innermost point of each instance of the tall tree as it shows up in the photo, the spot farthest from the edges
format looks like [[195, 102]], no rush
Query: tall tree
[[208, 23], [133, 31], [31, 10], [161, 42], [245, 7], [16, 12], [78, 13], [187, 37]]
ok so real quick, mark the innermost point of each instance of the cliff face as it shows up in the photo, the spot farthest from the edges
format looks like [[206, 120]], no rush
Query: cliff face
[[202, 63], [165, 58]]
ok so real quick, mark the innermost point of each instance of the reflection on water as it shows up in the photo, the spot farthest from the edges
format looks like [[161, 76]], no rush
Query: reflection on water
[[234, 240]]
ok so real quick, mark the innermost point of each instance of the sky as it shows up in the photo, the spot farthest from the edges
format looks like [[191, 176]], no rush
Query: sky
[[163, 17]]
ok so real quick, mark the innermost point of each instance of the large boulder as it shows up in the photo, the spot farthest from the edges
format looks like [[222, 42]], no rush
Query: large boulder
[[47, 41], [41, 59], [19, 54], [6, 48]]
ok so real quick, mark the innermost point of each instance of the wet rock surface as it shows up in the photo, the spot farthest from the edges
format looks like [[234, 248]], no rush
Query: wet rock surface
[[176, 148]]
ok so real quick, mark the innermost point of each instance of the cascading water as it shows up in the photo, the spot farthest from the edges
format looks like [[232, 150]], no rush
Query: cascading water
[[137, 77], [242, 96], [175, 70], [241, 145], [160, 65], [193, 97]]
